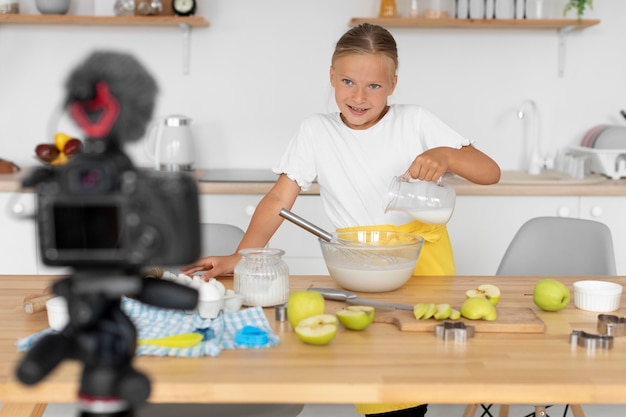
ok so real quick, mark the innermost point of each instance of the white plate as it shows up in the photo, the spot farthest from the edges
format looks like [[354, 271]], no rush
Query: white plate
[[613, 137]]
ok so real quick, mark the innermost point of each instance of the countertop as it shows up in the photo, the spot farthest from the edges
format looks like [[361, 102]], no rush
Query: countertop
[[378, 364], [608, 187]]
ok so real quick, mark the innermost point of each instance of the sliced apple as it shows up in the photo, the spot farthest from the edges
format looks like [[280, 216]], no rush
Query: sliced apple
[[317, 330], [443, 311], [454, 315], [488, 291], [356, 317], [432, 309], [419, 310]]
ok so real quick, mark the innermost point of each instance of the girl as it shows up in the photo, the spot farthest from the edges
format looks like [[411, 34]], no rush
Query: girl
[[355, 153]]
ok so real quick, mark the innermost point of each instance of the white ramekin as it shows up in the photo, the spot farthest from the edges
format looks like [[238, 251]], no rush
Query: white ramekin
[[598, 296], [58, 316]]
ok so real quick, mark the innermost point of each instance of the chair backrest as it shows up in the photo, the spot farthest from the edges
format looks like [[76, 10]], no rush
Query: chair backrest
[[220, 239], [559, 246]]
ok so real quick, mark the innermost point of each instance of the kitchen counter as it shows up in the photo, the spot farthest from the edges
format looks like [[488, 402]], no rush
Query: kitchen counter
[[11, 182], [379, 364]]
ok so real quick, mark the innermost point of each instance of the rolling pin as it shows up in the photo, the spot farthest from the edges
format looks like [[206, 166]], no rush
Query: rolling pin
[[35, 303]]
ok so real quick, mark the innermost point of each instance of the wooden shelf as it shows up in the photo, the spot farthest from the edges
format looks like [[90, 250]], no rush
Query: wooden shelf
[[35, 19], [401, 22]]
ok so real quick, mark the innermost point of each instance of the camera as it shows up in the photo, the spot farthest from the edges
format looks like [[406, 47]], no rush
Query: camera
[[99, 211]]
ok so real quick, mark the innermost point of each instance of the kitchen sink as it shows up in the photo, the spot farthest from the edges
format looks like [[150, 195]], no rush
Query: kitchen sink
[[547, 178]]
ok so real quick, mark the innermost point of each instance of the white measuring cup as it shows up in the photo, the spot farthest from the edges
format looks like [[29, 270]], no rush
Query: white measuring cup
[[426, 201]]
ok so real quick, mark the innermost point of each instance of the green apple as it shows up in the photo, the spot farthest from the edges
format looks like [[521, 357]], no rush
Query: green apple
[[443, 311], [478, 308], [303, 304], [551, 295], [455, 314], [320, 329], [356, 317], [488, 291]]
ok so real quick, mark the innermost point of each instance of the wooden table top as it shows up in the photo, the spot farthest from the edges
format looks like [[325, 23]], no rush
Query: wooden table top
[[379, 364]]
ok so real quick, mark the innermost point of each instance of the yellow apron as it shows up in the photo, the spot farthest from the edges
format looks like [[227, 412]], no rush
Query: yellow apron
[[436, 258]]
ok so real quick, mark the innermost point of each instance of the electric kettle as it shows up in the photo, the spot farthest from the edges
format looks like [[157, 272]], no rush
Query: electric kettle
[[169, 144]]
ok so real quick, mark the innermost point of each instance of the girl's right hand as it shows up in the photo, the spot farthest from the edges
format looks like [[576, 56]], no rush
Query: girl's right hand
[[214, 266]]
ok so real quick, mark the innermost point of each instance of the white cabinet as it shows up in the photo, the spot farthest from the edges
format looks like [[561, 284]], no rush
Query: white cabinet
[[483, 226], [18, 249], [302, 251]]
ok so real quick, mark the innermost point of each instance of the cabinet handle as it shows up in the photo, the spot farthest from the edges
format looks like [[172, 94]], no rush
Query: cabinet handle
[[597, 211], [563, 212], [250, 210]]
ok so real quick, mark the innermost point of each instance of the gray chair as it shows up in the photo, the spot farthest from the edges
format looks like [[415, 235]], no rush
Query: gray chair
[[553, 246], [556, 246], [219, 239]]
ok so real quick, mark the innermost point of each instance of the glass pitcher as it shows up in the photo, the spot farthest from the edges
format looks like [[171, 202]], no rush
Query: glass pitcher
[[426, 201]]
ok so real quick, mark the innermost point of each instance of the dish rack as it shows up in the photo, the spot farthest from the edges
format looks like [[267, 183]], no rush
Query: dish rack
[[608, 162]]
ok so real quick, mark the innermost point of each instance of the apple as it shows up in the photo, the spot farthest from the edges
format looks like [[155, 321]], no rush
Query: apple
[[488, 291], [478, 308], [551, 295], [430, 311], [443, 311], [455, 314], [303, 304], [356, 317], [320, 329]]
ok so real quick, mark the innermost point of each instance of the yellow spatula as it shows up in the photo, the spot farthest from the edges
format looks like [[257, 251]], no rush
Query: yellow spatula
[[176, 341]]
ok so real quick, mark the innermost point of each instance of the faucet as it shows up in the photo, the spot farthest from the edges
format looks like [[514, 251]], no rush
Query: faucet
[[536, 162]]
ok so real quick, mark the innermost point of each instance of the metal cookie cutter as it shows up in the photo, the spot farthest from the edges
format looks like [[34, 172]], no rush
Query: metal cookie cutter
[[454, 331], [591, 341], [612, 325]]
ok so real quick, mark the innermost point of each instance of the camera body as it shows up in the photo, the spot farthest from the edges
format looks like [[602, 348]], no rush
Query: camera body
[[99, 211]]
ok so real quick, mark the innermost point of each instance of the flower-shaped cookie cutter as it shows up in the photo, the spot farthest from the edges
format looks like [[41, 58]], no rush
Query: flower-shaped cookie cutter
[[590, 340], [454, 331]]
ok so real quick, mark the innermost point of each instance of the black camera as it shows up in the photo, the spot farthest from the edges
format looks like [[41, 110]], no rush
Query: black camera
[[98, 211]]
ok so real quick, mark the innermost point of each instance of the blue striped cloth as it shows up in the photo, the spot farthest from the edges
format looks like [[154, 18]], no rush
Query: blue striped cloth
[[154, 322]]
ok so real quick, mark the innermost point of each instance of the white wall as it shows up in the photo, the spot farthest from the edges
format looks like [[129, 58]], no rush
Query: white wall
[[262, 65]]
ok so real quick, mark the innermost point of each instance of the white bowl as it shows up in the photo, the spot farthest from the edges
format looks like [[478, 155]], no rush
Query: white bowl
[[53, 6], [58, 316], [598, 296]]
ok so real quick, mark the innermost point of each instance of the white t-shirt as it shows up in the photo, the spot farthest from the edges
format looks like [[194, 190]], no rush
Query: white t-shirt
[[354, 168]]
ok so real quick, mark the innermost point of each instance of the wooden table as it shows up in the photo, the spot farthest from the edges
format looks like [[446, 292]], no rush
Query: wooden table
[[380, 364]]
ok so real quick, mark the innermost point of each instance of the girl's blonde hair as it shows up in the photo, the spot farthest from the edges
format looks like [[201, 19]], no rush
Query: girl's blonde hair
[[367, 38]]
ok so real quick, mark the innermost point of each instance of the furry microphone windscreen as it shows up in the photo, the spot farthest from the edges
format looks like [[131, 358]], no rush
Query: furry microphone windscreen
[[111, 96]]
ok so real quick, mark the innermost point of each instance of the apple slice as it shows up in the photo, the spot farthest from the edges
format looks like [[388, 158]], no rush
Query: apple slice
[[443, 311], [488, 291], [419, 310], [432, 309], [317, 330], [356, 317], [455, 315]]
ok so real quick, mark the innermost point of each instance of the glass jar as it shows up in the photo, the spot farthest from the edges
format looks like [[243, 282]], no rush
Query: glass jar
[[262, 277], [388, 8], [437, 9]]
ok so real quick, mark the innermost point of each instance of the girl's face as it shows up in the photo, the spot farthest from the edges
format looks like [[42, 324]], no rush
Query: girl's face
[[362, 83]]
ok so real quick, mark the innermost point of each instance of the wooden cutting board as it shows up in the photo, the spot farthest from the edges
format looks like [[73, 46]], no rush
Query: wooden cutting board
[[510, 320]]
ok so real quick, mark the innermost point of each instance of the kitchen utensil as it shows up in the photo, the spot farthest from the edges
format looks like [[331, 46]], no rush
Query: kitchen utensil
[[341, 295], [426, 201], [176, 341], [169, 144], [611, 325]]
